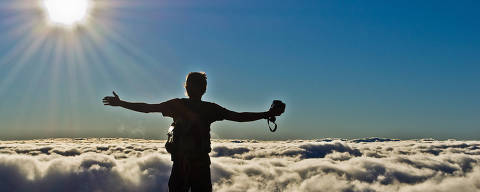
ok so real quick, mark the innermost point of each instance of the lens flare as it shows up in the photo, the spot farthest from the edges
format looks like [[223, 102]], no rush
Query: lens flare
[[67, 12]]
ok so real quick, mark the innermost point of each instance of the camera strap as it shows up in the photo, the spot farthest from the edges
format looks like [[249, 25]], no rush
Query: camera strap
[[272, 120]]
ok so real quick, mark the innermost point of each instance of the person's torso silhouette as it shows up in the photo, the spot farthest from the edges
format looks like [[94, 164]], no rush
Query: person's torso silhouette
[[191, 162], [192, 120]]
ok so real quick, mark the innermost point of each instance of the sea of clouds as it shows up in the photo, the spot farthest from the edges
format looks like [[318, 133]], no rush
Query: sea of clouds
[[372, 164]]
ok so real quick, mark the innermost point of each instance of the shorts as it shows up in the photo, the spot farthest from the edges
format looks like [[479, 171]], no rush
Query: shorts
[[189, 174]]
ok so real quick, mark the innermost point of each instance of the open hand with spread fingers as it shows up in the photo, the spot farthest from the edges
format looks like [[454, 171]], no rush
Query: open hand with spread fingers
[[112, 101]]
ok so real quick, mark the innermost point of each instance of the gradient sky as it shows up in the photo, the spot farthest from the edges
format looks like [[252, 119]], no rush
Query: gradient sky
[[349, 69]]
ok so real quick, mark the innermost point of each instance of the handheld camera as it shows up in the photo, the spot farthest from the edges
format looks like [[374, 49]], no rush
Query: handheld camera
[[276, 105]]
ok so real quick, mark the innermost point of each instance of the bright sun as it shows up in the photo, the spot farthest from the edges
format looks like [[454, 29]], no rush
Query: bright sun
[[67, 12]]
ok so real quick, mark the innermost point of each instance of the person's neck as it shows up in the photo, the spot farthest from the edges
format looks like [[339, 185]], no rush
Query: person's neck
[[195, 98]]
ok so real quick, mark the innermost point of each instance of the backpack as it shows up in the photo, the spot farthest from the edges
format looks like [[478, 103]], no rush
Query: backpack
[[170, 144], [181, 139]]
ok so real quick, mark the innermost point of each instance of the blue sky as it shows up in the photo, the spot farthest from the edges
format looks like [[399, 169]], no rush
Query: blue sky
[[400, 69]]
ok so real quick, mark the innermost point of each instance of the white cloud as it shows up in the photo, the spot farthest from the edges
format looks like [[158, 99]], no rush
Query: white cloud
[[316, 165]]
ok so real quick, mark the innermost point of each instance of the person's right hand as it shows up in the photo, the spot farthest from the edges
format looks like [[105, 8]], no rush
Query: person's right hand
[[112, 101], [276, 111]]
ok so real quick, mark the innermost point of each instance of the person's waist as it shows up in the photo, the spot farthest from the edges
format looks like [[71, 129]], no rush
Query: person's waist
[[193, 157]]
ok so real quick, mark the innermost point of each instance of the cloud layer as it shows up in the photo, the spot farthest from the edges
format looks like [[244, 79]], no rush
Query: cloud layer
[[372, 164]]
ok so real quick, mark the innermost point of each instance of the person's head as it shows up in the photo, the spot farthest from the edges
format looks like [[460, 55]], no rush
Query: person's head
[[196, 84]]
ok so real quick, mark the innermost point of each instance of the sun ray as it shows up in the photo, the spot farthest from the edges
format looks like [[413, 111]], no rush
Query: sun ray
[[124, 46], [95, 56], [24, 58], [72, 57], [32, 88], [53, 111]]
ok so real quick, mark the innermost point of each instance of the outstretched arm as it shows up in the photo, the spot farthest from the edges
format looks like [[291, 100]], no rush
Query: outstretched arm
[[139, 107], [251, 116], [246, 116]]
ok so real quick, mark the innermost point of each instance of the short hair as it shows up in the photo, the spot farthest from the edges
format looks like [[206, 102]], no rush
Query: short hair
[[197, 79]]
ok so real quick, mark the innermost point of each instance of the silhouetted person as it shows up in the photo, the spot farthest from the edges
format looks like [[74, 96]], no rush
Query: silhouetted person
[[192, 118]]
